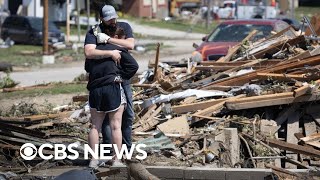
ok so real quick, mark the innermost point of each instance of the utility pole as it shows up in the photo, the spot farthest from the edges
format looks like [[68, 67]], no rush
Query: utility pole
[[78, 19], [35, 8], [45, 27], [67, 22], [208, 13], [88, 14], [292, 9]]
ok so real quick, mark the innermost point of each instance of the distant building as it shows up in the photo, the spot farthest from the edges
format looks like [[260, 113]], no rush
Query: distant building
[[57, 8], [146, 8]]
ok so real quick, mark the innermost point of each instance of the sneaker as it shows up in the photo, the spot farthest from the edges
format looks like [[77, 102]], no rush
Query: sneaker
[[108, 162], [95, 163], [118, 164]]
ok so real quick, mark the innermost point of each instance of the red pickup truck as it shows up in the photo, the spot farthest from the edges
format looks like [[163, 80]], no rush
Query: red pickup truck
[[230, 33]]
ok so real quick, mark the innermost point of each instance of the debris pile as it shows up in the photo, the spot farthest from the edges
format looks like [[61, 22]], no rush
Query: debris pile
[[256, 107]]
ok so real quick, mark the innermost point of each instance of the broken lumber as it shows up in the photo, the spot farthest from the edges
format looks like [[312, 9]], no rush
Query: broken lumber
[[281, 77], [149, 123], [178, 125], [80, 98], [156, 62], [293, 147], [269, 100], [292, 128], [245, 78], [195, 106]]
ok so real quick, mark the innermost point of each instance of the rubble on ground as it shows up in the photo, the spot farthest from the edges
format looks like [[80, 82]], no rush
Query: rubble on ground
[[256, 107]]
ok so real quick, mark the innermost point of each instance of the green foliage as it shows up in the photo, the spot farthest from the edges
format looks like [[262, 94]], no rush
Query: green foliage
[[23, 109], [7, 82], [16, 55], [82, 77]]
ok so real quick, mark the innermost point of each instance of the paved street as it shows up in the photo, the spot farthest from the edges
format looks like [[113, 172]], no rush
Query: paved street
[[178, 46]]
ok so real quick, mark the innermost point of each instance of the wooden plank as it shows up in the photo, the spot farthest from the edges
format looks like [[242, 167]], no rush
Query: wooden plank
[[316, 51], [269, 62], [231, 52], [233, 105], [178, 125], [312, 137], [215, 68], [147, 115], [235, 48], [195, 106], [218, 106], [211, 110], [286, 173], [303, 55], [282, 77], [31, 118], [36, 126], [278, 46], [293, 147], [144, 85], [207, 81], [41, 117], [214, 63], [80, 98], [6, 90], [280, 33], [149, 123], [245, 78], [301, 91], [262, 97], [223, 68], [314, 143], [292, 127], [156, 62], [33, 133]]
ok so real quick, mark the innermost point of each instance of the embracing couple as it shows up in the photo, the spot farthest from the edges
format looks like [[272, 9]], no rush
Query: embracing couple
[[110, 67]]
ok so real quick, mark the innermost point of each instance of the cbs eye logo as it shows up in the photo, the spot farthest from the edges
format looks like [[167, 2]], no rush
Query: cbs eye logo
[[28, 151]]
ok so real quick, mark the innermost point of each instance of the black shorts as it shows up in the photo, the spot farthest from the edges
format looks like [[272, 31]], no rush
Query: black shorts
[[106, 98]]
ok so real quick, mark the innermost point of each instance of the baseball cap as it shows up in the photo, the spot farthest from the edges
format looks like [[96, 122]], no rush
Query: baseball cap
[[108, 12]]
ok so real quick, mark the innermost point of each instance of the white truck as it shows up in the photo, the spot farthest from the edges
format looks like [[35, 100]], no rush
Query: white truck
[[234, 10]]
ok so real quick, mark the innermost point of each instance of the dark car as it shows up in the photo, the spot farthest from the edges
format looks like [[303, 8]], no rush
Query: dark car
[[230, 33], [28, 30]]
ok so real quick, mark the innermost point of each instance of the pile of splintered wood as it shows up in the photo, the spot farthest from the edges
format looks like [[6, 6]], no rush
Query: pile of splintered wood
[[258, 106]]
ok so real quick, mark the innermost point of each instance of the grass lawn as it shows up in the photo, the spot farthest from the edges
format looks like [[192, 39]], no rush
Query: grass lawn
[[198, 27], [28, 55], [74, 29], [54, 89], [308, 11], [21, 55]]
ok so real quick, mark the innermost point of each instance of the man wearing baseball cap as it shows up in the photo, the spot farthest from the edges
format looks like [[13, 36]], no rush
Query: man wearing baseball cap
[[97, 35]]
